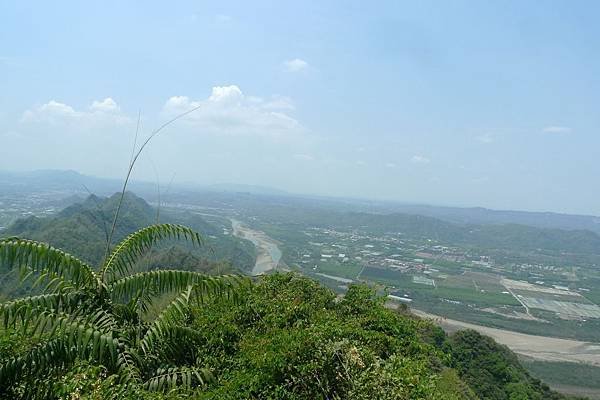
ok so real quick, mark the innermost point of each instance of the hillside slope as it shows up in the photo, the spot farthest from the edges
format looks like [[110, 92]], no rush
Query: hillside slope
[[80, 229]]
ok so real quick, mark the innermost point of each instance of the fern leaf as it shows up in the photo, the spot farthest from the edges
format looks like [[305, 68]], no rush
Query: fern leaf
[[170, 316], [125, 255], [166, 281], [168, 378], [45, 259]]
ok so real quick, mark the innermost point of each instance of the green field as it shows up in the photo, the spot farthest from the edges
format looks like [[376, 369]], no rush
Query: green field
[[392, 278], [344, 270], [478, 298]]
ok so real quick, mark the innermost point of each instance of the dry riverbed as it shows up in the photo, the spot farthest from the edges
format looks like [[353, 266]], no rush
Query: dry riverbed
[[268, 253], [538, 347]]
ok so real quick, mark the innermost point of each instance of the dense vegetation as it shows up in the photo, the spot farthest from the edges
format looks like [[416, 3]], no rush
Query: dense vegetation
[[292, 339], [564, 373], [104, 315], [131, 329], [493, 371]]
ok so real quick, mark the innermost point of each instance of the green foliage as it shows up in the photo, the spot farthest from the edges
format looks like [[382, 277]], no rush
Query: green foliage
[[170, 334], [134, 246], [293, 339], [493, 371], [565, 373], [102, 317], [82, 228]]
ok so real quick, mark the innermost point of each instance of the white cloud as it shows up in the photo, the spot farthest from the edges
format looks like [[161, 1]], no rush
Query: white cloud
[[417, 159], [391, 165], [295, 65], [106, 105], [96, 137], [303, 157], [227, 94], [485, 138], [229, 111], [557, 129], [279, 102], [106, 110], [361, 163]]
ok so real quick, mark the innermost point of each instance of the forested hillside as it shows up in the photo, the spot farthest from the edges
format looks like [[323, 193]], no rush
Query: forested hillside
[[81, 230], [278, 337]]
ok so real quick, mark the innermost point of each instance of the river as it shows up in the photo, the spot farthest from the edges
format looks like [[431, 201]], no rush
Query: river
[[268, 253]]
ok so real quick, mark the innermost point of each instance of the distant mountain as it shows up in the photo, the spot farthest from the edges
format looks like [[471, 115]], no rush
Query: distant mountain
[[513, 237], [41, 180], [239, 188], [479, 215], [66, 181], [74, 182], [494, 236], [71, 182]]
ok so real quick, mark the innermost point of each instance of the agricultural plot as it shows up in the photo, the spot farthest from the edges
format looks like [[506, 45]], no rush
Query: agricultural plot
[[474, 297], [561, 302], [562, 307], [344, 270], [478, 281], [383, 275], [552, 296], [520, 285], [421, 280]]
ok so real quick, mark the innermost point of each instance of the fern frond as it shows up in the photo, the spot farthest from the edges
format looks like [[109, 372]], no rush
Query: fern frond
[[170, 316], [177, 342], [168, 378], [125, 255], [12, 311], [166, 281], [127, 365], [99, 316], [45, 259], [75, 342], [52, 354], [173, 313]]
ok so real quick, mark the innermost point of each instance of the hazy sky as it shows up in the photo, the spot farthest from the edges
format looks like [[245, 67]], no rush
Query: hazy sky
[[491, 103]]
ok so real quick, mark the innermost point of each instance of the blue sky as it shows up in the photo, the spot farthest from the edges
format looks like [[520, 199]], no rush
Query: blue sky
[[469, 103]]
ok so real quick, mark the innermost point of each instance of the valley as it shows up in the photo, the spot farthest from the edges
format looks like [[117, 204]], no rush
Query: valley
[[539, 298]]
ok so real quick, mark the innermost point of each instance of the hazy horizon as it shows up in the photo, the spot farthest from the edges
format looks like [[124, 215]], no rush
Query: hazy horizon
[[232, 187], [464, 104]]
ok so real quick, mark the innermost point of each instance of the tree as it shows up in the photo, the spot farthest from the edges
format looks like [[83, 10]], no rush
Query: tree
[[106, 316]]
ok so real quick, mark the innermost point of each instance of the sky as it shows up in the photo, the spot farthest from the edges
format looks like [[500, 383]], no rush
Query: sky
[[464, 103]]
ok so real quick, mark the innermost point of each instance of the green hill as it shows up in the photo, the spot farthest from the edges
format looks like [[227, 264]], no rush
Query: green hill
[[81, 228]]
